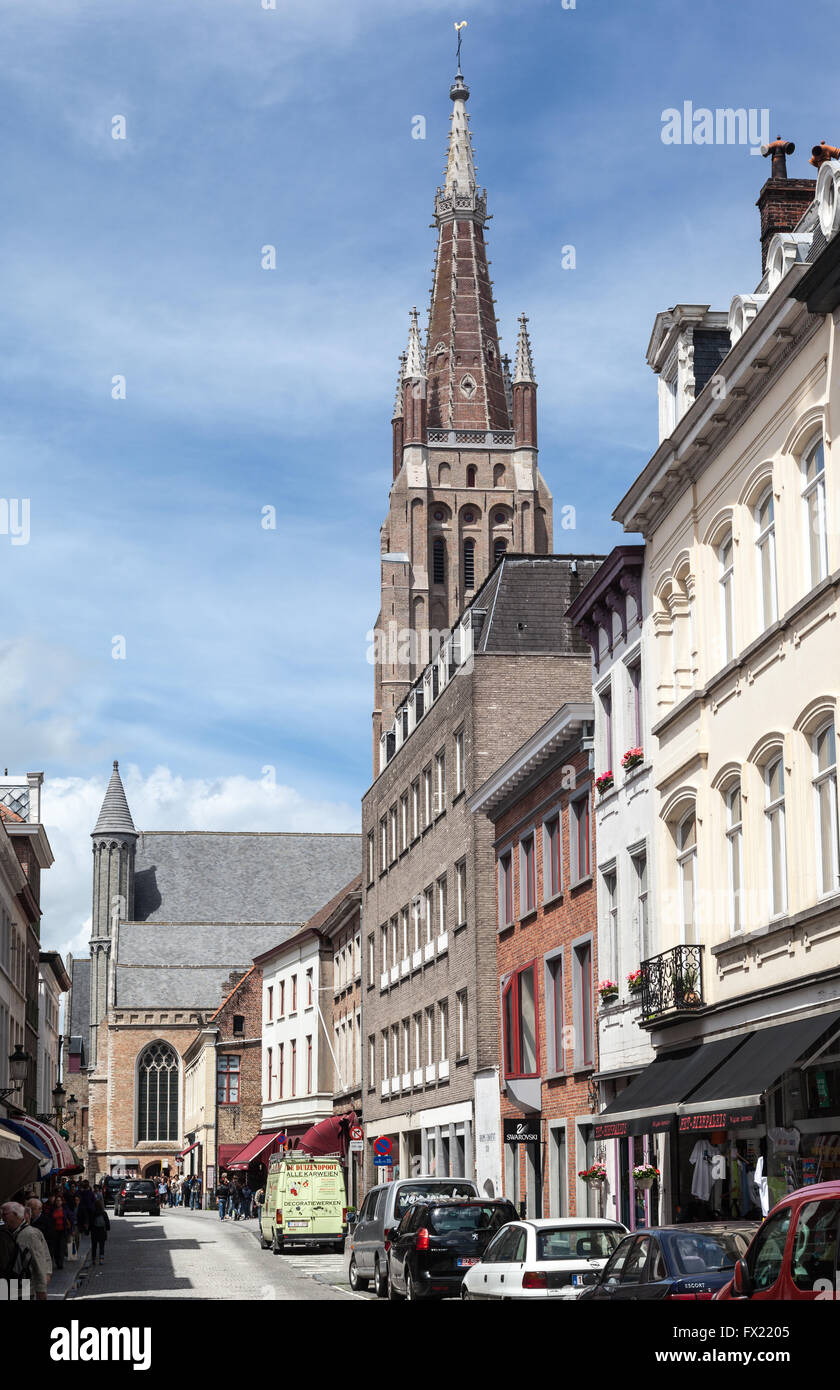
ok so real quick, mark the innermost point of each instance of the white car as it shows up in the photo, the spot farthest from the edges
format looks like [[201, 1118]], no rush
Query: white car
[[549, 1257]]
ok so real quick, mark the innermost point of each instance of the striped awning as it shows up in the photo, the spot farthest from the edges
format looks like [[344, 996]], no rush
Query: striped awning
[[48, 1140]]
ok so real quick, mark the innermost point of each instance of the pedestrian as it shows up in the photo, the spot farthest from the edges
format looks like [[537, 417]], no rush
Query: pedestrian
[[87, 1200], [39, 1218], [186, 1189], [222, 1196], [31, 1257], [61, 1226], [195, 1200], [99, 1228], [259, 1202], [247, 1200]]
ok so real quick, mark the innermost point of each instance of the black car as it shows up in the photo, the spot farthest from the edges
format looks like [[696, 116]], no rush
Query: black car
[[677, 1262], [110, 1187], [437, 1242], [137, 1194]]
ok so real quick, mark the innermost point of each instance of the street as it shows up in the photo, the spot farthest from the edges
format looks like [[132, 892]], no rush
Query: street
[[183, 1254]]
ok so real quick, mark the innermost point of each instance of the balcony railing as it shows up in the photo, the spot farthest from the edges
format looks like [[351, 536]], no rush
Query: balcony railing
[[672, 982]]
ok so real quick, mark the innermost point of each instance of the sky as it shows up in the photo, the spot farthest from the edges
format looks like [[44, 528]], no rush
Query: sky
[[150, 616]]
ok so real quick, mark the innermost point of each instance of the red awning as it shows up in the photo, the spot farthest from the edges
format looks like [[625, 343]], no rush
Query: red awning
[[62, 1158], [262, 1144], [330, 1136], [188, 1149]]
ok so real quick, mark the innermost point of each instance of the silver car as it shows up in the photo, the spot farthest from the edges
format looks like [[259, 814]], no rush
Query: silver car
[[382, 1210]]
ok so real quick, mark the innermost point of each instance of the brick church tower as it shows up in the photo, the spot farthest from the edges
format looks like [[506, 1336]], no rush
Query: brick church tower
[[466, 485]]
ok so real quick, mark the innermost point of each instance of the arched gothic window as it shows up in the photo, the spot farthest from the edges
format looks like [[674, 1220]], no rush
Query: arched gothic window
[[469, 564], [499, 548], [157, 1094], [439, 560]]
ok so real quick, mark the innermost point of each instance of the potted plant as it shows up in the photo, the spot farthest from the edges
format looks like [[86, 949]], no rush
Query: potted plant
[[632, 758], [645, 1175], [608, 991], [634, 981], [604, 782], [687, 986], [594, 1176]]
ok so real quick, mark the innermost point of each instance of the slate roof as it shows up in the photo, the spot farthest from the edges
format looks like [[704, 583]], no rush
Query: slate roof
[[186, 966], [526, 599], [114, 817], [196, 876], [80, 998]]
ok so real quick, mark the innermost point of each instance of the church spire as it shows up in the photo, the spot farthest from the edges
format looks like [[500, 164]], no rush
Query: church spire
[[524, 369], [414, 387], [114, 817], [524, 388], [397, 418]]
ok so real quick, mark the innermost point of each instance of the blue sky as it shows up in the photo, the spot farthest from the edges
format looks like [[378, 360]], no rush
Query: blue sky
[[246, 648]]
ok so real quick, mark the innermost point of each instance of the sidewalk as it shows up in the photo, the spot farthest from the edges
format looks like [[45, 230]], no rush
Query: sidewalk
[[63, 1280], [249, 1224]]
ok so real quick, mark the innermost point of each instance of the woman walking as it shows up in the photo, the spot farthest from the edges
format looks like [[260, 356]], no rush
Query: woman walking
[[99, 1228]]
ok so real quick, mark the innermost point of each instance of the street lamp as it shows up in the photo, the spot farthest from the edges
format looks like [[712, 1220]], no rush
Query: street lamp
[[72, 1105], [18, 1067]]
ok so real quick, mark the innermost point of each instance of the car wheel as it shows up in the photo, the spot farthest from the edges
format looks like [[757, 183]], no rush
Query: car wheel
[[276, 1244], [410, 1290], [264, 1244], [393, 1296], [465, 1294], [380, 1280], [357, 1283]]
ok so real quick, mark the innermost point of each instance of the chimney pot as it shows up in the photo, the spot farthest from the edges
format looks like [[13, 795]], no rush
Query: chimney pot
[[779, 149], [821, 153]]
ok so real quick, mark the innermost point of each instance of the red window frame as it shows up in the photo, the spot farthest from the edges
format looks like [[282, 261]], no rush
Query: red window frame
[[555, 879], [282, 999], [308, 988], [556, 1023], [224, 1075], [294, 995], [309, 1066], [280, 1071], [293, 1069], [583, 829], [528, 862], [268, 1088], [512, 1022], [270, 1002], [583, 967]]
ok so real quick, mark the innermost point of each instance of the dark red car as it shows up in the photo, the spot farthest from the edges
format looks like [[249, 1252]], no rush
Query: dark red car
[[795, 1254]]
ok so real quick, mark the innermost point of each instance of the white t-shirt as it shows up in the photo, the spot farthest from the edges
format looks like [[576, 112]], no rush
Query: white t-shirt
[[701, 1158], [785, 1141]]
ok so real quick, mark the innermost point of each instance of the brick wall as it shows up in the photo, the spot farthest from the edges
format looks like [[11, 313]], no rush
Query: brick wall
[[237, 1124]]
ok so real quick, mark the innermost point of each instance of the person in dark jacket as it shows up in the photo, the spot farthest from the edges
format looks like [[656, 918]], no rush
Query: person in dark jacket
[[99, 1228], [84, 1211]]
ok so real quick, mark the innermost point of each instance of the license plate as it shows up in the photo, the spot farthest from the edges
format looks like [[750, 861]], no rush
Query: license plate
[[295, 1225], [578, 1280], [464, 1264]]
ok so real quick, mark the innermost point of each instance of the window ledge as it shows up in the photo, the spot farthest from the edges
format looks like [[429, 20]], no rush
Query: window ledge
[[580, 882], [462, 1061], [824, 907], [461, 926], [459, 795], [554, 900], [527, 916], [507, 926], [439, 816], [404, 852]]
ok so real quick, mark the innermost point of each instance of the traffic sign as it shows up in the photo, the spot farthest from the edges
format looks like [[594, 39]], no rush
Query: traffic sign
[[357, 1146], [356, 1133], [382, 1147], [383, 1161]]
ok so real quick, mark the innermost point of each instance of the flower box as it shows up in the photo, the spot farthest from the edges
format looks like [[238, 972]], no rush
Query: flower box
[[604, 782], [608, 991], [645, 1175], [632, 758], [634, 981], [594, 1176]]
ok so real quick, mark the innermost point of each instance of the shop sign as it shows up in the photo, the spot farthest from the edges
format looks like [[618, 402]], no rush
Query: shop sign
[[623, 1129], [522, 1131], [709, 1120]]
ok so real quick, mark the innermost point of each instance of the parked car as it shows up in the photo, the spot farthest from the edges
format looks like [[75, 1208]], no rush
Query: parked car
[[305, 1202], [110, 1187], [137, 1194], [675, 1262], [795, 1254], [548, 1257], [384, 1208], [438, 1241]]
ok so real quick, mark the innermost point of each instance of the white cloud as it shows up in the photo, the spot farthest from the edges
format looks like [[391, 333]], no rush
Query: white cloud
[[160, 800]]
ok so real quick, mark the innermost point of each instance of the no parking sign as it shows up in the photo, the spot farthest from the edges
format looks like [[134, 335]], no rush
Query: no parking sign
[[382, 1156]]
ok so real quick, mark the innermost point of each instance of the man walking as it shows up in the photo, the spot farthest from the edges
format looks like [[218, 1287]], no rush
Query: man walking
[[247, 1201], [33, 1257], [222, 1196]]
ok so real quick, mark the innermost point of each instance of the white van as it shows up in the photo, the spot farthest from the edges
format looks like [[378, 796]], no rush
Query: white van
[[305, 1202]]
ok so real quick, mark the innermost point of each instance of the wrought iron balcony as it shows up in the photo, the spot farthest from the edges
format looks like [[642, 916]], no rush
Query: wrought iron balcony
[[672, 982]]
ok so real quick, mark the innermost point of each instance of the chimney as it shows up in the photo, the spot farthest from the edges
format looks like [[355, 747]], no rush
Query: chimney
[[782, 201]]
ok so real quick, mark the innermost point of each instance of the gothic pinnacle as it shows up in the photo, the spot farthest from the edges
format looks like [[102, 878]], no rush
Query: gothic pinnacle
[[524, 368], [414, 354]]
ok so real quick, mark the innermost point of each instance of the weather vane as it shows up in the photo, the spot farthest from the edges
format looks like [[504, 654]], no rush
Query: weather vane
[[458, 28]]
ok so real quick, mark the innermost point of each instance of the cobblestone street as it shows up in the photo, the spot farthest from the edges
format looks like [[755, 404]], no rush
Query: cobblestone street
[[184, 1254]]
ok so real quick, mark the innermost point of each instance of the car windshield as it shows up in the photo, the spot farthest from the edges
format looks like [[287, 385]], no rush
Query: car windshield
[[474, 1217], [577, 1243], [694, 1252], [140, 1186], [409, 1197]]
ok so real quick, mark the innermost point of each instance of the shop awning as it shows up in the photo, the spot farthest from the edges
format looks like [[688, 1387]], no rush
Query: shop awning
[[46, 1139], [650, 1103], [188, 1149], [732, 1093], [330, 1136], [253, 1151], [20, 1163]]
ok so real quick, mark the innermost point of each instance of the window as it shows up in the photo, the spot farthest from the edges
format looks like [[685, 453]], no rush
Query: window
[[418, 1040], [726, 570], [634, 674], [281, 1053], [439, 560], [825, 796], [227, 1080], [440, 783], [371, 856], [582, 997], [427, 796], [815, 1245], [774, 788], [766, 1254], [459, 762], [385, 1072], [552, 862], [443, 1019], [238, 1025], [395, 941], [383, 943], [415, 809], [270, 1003], [554, 1012], [461, 999], [471, 475], [309, 996], [461, 891], [293, 1068], [611, 924], [429, 912], [395, 1048], [282, 998], [430, 1035], [734, 829], [606, 714], [404, 932], [505, 889], [642, 924], [404, 822], [519, 1022], [527, 875], [765, 540], [581, 838], [499, 548], [294, 994], [383, 844], [813, 496], [441, 904], [268, 1065], [687, 875], [469, 564], [371, 1061], [157, 1094], [309, 1066], [393, 820]]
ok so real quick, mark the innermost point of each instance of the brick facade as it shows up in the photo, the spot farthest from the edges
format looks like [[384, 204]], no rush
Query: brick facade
[[239, 1024]]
